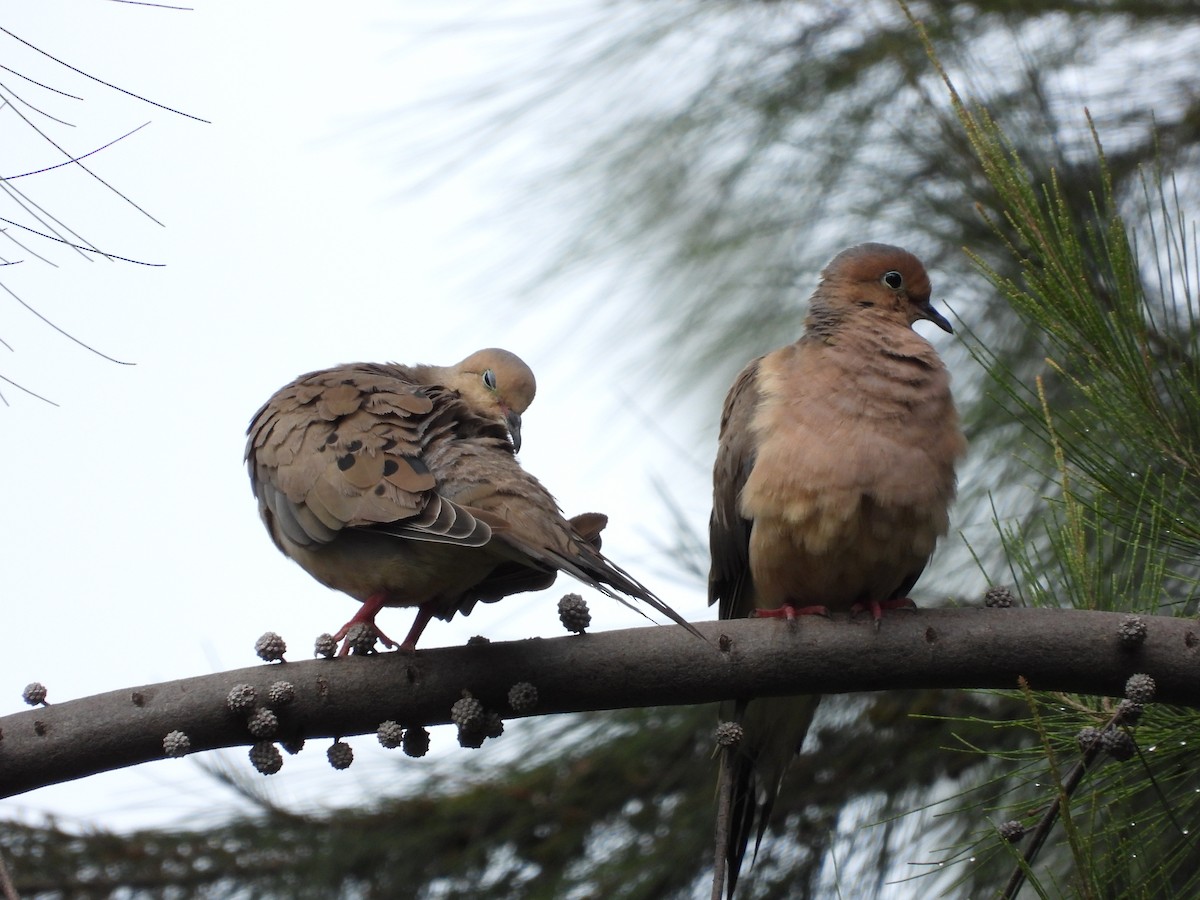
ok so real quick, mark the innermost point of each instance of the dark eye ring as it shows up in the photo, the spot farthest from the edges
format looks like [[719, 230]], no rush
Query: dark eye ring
[[489, 379], [894, 280]]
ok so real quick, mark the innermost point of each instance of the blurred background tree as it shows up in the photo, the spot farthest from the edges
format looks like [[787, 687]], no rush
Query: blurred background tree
[[713, 157]]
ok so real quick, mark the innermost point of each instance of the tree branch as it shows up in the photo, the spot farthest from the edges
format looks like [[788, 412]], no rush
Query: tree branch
[[1055, 650]]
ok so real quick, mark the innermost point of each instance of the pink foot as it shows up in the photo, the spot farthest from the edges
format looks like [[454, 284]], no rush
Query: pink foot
[[365, 616], [788, 611], [878, 606]]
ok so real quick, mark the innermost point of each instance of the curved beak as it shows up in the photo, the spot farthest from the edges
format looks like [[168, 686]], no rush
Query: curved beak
[[932, 315], [513, 419]]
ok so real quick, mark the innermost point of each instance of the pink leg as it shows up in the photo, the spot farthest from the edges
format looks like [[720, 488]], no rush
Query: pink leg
[[788, 611], [365, 615], [424, 614]]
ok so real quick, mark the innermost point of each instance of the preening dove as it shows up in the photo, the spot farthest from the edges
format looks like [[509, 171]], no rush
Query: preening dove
[[399, 485], [833, 477]]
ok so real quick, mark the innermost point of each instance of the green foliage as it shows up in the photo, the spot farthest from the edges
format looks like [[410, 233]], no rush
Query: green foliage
[[1125, 830], [589, 821], [1128, 399], [618, 804], [1119, 528]]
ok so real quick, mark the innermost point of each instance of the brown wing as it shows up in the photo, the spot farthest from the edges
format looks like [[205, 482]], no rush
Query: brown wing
[[526, 521], [774, 727], [516, 577], [729, 582], [348, 447]]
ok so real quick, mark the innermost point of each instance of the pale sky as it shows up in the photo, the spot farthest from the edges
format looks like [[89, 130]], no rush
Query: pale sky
[[132, 546]]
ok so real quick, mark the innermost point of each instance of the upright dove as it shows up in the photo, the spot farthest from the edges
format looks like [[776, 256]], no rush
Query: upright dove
[[399, 485], [832, 483]]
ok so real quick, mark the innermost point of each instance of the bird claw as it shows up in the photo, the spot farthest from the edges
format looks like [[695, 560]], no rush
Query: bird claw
[[877, 607], [789, 612], [343, 635], [365, 616]]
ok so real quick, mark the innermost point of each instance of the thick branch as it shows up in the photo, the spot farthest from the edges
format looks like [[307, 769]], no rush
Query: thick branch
[[1059, 650]]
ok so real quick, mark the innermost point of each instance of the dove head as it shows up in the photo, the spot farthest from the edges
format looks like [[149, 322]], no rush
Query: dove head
[[878, 278], [495, 383]]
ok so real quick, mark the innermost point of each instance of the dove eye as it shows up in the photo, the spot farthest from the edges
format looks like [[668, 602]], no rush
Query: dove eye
[[489, 379], [894, 280]]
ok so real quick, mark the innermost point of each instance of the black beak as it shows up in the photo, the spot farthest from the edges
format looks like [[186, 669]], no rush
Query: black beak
[[514, 429], [932, 315]]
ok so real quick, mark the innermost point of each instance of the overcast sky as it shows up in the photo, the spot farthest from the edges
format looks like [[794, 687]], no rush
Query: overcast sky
[[132, 547]]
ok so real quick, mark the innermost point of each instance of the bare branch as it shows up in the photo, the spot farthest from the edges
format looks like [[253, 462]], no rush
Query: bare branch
[[1054, 650]]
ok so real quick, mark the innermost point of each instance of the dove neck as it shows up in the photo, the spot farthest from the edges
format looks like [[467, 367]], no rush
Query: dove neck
[[823, 322]]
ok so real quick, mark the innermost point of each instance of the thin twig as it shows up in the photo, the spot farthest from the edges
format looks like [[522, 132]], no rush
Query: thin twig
[[724, 806], [101, 80], [51, 237], [6, 885], [77, 158], [63, 332], [1069, 785]]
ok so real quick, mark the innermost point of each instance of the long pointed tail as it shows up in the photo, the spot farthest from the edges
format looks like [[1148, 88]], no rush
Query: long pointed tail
[[721, 869], [751, 772]]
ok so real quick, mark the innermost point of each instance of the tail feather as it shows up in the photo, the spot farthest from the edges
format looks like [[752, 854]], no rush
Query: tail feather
[[593, 568], [609, 578], [736, 811], [773, 730]]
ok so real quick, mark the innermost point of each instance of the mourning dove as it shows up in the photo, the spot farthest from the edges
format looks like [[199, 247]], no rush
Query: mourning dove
[[399, 486], [832, 482]]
